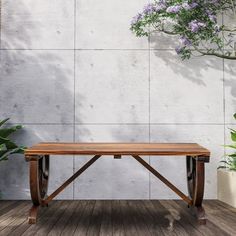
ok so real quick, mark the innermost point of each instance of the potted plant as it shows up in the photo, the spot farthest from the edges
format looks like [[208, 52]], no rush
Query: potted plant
[[8, 147], [226, 174]]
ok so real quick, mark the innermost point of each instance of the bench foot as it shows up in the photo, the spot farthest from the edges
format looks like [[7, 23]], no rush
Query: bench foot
[[33, 214], [201, 216], [199, 213]]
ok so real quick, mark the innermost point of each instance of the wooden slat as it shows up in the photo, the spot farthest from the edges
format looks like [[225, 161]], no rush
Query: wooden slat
[[6, 206], [53, 219], [210, 229], [219, 218], [59, 226], [158, 213], [95, 221], [119, 217], [146, 217], [21, 228], [84, 221], [184, 226], [118, 149], [74, 218], [130, 227], [106, 224], [19, 205], [10, 224], [43, 221], [140, 220]]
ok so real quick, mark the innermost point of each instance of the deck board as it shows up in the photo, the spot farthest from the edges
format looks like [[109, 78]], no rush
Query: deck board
[[116, 217]]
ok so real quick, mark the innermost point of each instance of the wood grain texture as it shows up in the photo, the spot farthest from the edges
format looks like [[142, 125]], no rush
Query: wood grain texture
[[118, 217], [118, 149]]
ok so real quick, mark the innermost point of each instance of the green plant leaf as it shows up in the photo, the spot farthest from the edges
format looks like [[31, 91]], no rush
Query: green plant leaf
[[8, 153], [4, 133], [4, 121], [4, 140], [221, 167], [235, 116], [232, 155], [231, 146], [8, 147], [233, 135], [2, 147], [8, 143]]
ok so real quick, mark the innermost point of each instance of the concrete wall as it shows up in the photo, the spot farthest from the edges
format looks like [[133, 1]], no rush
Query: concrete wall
[[72, 71]]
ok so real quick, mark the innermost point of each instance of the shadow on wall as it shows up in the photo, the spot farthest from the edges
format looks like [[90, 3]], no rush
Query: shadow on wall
[[37, 90], [230, 81], [194, 68]]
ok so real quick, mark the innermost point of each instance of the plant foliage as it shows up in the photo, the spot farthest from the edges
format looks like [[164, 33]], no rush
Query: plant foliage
[[8, 147], [197, 24], [230, 162]]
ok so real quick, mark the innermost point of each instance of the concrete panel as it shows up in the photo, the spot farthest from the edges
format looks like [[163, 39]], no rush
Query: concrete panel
[[186, 92], [111, 87], [106, 25], [39, 86], [230, 91], [38, 24]]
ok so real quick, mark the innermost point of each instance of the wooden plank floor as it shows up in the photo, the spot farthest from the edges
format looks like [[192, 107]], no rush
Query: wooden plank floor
[[117, 217]]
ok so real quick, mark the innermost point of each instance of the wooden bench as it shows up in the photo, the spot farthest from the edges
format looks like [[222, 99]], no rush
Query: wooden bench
[[38, 158]]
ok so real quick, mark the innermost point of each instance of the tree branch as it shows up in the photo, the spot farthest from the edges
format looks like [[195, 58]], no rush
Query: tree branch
[[214, 54]]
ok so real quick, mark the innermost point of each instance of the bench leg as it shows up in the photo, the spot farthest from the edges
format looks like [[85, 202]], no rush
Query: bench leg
[[195, 182], [39, 175], [33, 214]]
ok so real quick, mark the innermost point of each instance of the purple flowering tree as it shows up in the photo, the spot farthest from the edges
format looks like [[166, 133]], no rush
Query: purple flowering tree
[[198, 25]]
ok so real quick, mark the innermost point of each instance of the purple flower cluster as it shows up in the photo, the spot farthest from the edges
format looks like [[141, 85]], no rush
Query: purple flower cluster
[[136, 18], [189, 6], [154, 7], [211, 16], [185, 41], [179, 49], [149, 9], [177, 8], [195, 26], [174, 9]]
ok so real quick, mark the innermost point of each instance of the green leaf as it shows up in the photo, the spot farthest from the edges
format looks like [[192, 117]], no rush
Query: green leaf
[[4, 154], [221, 167], [4, 133], [8, 147], [4, 140], [235, 116], [2, 147], [8, 143], [231, 146], [232, 155], [226, 162], [233, 136], [10, 152], [4, 121]]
